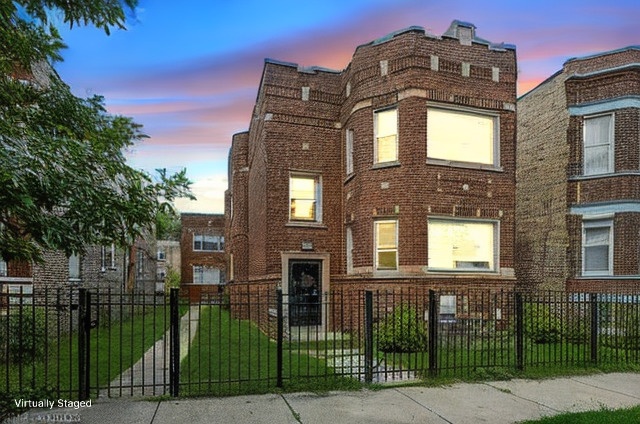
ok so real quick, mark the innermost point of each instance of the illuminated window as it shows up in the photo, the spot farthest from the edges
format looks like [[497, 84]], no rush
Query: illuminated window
[[386, 134], [386, 233], [598, 145], [305, 201], [462, 136], [460, 245], [597, 247]]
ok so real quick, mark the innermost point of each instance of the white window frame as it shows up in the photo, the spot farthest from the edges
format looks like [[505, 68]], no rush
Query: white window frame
[[317, 179], [200, 270], [108, 261], [611, 143], [495, 145], [377, 249], [496, 244], [597, 223], [448, 307], [20, 294], [376, 113], [349, 152], [4, 269], [216, 239]]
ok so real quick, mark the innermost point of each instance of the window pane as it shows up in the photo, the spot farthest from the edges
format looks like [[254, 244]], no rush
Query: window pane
[[386, 236], [387, 121], [349, 151], [387, 259], [303, 209], [596, 160], [460, 136], [387, 149], [74, 266], [302, 192], [596, 258], [597, 145], [303, 188], [210, 243], [448, 304], [597, 236], [596, 130], [197, 242], [461, 245]]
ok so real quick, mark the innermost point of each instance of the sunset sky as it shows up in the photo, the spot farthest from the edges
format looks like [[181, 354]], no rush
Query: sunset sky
[[189, 70]]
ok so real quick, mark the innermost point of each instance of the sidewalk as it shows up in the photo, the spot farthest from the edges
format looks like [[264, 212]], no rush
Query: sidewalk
[[491, 402]]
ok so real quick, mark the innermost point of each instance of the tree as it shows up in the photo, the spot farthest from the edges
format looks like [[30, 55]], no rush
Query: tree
[[64, 181], [168, 226]]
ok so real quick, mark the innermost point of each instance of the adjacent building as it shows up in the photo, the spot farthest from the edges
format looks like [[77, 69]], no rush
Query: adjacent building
[[398, 171], [578, 176], [202, 254]]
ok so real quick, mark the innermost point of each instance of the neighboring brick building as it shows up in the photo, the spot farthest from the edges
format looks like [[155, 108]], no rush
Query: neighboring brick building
[[354, 178], [578, 179], [203, 253]]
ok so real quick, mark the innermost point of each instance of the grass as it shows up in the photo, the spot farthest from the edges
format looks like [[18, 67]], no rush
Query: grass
[[230, 356], [116, 344], [603, 416]]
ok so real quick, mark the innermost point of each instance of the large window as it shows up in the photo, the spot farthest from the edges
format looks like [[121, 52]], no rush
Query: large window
[[462, 245], [597, 247], [386, 233], [598, 145], [206, 275], [461, 136], [305, 198], [208, 243], [386, 135]]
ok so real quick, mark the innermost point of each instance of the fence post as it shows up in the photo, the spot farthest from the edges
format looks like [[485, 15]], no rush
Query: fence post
[[84, 337], [519, 318], [368, 336], [174, 343], [433, 334], [593, 300], [279, 336]]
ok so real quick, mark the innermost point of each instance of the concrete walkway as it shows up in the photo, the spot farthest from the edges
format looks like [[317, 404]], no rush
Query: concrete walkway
[[492, 402], [150, 375]]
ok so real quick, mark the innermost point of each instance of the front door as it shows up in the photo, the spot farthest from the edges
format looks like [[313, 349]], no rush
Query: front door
[[305, 286]]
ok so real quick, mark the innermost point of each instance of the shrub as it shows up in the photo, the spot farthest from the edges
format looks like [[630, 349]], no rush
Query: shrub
[[621, 325], [26, 336], [402, 331], [544, 325]]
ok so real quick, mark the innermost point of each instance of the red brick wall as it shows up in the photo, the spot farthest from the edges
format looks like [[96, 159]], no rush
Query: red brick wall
[[205, 224]]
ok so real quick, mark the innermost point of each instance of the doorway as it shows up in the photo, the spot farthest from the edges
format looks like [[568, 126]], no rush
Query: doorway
[[305, 287]]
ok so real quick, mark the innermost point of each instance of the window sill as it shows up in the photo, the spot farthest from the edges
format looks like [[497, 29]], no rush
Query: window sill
[[462, 271], [349, 177], [381, 165], [607, 175], [465, 165], [298, 224]]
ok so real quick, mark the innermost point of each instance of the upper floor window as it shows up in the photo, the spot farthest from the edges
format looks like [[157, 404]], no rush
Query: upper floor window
[[305, 198], [386, 234], [461, 136], [598, 144], [386, 135], [208, 243], [349, 151], [597, 247], [462, 245]]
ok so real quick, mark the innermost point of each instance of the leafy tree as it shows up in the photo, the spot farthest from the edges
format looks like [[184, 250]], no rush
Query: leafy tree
[[168, 226], [64, 181]]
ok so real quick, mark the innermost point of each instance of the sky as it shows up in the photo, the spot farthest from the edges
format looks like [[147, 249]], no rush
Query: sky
[[189, 70]]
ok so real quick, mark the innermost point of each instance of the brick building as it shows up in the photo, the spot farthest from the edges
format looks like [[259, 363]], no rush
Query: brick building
[[355, 178], [578, 178], [203, 262]]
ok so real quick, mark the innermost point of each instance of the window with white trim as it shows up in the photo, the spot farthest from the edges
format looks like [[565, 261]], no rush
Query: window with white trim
[[20, 294], [462, 136], [462, 245], [386, 135], [3, 268], [597, 247], [203, 274], [108, 257], [447, 307], [208, 243], [349, 247], [386, 242], [305, 198], [349, 152], [598, 144]]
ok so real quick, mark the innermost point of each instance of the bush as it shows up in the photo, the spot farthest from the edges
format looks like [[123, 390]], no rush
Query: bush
[[402, 331], [621, 325], [26, 337], [543, 325], [8, 407]]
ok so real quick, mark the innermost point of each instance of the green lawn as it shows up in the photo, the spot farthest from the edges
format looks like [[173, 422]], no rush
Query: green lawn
[[605, 416], [230, 356], [117, 343]]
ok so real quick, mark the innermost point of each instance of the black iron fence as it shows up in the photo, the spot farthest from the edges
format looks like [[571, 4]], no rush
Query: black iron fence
[[79, 344]]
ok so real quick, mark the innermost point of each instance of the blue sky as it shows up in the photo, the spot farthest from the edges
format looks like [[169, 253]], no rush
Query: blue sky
[[189, 71]]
